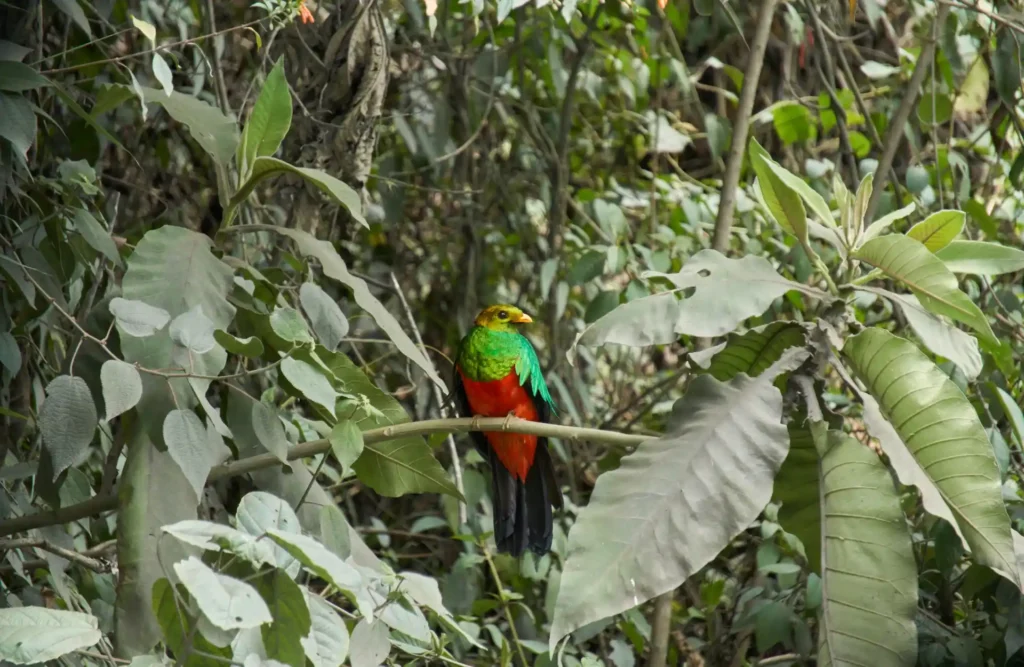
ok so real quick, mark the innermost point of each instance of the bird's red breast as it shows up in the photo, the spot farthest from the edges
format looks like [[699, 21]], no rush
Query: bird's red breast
[[497, 398]]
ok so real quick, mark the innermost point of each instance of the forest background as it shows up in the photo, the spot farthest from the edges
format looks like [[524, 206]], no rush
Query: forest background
[[772, 252]]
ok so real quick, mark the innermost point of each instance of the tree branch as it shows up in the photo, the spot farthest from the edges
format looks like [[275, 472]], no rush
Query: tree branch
[[894, 135], [46, 545], [106, 503], [741, 127]]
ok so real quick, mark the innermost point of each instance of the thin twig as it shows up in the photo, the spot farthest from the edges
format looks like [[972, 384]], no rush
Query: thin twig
[[741, 127], [504, 601], [894, 135], [164, 47], [100, 504], [452, 449], [47, 545]]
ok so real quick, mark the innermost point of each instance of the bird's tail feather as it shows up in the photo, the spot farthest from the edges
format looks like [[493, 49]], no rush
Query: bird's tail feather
[[522, 511]]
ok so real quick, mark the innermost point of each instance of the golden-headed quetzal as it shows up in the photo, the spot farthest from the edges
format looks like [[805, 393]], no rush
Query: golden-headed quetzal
[[497, 374]]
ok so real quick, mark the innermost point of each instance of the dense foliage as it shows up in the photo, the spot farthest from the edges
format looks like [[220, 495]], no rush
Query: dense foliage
[[773, 256]]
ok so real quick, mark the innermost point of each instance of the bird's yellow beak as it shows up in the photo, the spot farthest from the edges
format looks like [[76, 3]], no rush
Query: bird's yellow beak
[[523, 319]]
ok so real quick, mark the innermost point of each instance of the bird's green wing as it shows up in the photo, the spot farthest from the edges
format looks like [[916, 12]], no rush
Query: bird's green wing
[[531, 376]]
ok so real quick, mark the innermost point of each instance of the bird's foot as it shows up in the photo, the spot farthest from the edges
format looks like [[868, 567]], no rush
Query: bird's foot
[[507, 424], [474, 424]]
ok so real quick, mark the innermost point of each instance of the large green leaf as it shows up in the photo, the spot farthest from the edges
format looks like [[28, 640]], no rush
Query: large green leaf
[[179, 631], [935, 422], [395, 467], [282, 639], [215, 132], [910, 262], [33, 635], [869, 583], [334, 267], [269, 120], [938, 229], [981, 258], [756, 350], [676, 501], [265, 167], [750, 281], [796, 487], [939, 336], [67, 421], [783, 203]]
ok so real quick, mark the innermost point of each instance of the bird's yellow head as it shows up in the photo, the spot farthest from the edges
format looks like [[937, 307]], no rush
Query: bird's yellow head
[[501, 317]]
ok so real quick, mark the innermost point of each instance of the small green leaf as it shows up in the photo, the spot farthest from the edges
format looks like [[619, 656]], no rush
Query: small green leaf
[[346, 442], [95, 235], [67, 421], [265, 167], [17, 77], [215, 132], [370, 645], [226, 602], [1013, 414], [10, 353], [587, 267], [136, 318], [934, 109], [313, 384], [260, 511], [189, 446], [163, 74], [329, 323], [318, 560], [784, 204], [327, 643], [19, 126], [289, 325], [981, 258], [938, 229], [792, 122], [146, 28], [282, 639], [250, 347], [269, 430], [908, 261], [269, 121], [36, 635], [193, 330], [122, 387], [1006, 65]]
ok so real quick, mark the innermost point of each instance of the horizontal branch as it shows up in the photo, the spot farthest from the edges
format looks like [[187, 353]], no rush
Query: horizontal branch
[[82, 558], [108, 502]]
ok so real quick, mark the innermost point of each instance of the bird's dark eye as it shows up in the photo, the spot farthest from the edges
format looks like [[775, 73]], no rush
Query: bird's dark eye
[[502, 314]]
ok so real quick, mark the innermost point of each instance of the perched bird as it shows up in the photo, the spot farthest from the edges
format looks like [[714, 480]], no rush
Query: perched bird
[[497, 374]]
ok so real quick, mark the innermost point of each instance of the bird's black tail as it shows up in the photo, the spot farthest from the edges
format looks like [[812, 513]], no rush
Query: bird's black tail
[[523, 511]]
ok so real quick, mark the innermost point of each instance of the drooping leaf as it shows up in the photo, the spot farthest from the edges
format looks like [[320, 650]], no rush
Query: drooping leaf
[[17, 77], [179, 630], [981, 258], [318, 559], [907, 260], [269, 120], [218, 537], [328, 321], [138, 319], [251, 347], [122, 387], [189, 445], [334, 267], [67, 421], [32, 635], [784, 204], [370, 644], [660, 318], [327, 643], [936, 425], [265, 167], [95, 235], [289, 325], [346, 443], [756, 350], [940, 337], [19, 126], [939, 229], [193, 330], [867, 558], [163, 74], [269, 430], [282, 639], [313, 384], [676, 501], [1013, 413], [259, 512], [228, 603], [213, 131], [335, 531], [797, 488]]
